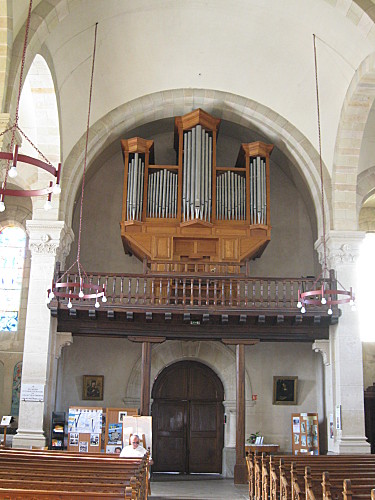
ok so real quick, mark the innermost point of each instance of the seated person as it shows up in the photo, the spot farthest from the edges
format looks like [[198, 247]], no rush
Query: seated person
[[134, 450]]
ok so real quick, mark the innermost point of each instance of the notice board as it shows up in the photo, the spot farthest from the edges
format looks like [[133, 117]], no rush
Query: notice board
[[305, 433], [85, 429]]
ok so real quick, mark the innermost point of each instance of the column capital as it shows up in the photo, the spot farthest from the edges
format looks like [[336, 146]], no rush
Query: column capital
[[323, 346], [342, 247], [62, 339], [49, 238]]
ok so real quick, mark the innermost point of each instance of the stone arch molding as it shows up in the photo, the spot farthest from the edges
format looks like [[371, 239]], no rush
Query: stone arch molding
[[347, 189], [219, 358], [171, 103], [365, 186], [47, 15]]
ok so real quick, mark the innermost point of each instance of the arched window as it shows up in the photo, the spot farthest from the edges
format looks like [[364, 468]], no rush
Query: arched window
[[12, 257]]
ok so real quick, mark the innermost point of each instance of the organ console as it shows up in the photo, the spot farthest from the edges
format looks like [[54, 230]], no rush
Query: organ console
[[195, 211]]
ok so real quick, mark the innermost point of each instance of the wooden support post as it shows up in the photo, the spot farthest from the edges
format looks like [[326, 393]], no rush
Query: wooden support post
[[145, 378], [240, 469]]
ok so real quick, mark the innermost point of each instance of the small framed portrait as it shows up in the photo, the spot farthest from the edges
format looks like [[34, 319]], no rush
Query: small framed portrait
[[93, 387], [285, 390]]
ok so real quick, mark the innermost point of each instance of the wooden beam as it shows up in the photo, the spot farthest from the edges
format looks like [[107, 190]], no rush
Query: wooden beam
[[240, 469], [145, 378]]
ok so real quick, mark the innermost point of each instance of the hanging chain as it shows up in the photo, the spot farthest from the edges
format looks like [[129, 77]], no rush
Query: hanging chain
[[86, 145], [320, 160], [15, 125]]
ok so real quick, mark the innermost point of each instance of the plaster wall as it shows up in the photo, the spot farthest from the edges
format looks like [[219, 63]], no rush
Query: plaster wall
[[191, 40], [119, 361], [290, 252]]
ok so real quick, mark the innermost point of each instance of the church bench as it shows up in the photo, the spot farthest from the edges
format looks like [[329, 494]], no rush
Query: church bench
[[73, 473], [266, 479], [27, 494], [327, 487], [65, 485]]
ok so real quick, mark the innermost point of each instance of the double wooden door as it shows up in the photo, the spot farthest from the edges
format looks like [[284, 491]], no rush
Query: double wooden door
[[187, 419]]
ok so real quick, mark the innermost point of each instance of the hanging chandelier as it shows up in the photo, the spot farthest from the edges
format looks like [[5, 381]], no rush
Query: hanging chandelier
[[322, 294], [82, 289], [13, 157]]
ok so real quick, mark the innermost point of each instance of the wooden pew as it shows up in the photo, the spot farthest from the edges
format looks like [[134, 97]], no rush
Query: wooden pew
[[278, 478], [30, 474]]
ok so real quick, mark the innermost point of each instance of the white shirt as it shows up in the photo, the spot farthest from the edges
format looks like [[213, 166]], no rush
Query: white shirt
[[130, 452]]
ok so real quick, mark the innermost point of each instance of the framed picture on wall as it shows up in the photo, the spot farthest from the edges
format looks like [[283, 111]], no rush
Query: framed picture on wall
[[285, 390], [93, 387]]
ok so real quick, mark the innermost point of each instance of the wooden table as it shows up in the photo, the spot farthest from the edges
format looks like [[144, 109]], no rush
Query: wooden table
[[261, 448]]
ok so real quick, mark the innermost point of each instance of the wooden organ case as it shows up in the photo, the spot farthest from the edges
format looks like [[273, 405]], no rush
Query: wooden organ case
[[195, 211]]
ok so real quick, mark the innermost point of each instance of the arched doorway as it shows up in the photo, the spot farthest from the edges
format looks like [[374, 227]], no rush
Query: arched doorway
[[188, 418]]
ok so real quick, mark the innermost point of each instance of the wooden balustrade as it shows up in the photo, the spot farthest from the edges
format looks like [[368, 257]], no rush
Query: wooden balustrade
[[197, 291]]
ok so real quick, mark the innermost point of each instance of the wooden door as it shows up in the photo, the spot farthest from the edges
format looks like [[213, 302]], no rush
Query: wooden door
[[187, 419]]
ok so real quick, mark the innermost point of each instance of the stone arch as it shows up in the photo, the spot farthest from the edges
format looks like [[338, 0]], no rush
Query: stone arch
[[219, 358], [357, 105], [365, 186], [43, 18], [6, 48], [170, 103], [16, 215], [365, 190], [39, 118]]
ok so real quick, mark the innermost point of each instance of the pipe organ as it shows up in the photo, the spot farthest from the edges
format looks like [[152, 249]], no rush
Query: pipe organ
[[195, 211]]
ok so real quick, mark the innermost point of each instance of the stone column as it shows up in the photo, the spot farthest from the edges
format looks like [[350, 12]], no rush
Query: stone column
[[346, 347], [58, 341], [47, 239], [324, 347]]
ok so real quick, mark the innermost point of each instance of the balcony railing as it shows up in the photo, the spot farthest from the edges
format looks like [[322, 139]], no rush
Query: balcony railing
[[196, 292]]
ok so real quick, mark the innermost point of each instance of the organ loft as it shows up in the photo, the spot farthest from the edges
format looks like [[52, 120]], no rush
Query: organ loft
[[195, 212]]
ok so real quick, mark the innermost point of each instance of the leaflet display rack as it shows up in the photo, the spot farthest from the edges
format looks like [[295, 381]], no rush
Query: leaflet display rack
[[114, 427], [57, 431], [85, 429], [305, 433]]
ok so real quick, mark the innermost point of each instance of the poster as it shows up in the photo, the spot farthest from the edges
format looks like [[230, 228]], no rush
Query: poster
[[338, 417], [73, 438], [296, 424], [83, 447], [85, 421], [115, 433], [94, 439]]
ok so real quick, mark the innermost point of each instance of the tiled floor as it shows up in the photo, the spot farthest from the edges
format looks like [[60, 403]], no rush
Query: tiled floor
[[202, 487]]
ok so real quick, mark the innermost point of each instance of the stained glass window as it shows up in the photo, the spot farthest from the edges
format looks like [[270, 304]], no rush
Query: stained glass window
[[12, 257]]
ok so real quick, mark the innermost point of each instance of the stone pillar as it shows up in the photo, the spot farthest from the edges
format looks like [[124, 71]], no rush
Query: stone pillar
[[346, 347], [58, 341], [324, 347], [47, 239]]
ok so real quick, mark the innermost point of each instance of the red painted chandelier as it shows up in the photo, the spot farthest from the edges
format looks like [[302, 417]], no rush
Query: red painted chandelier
[[12, 157], [322, 294]]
